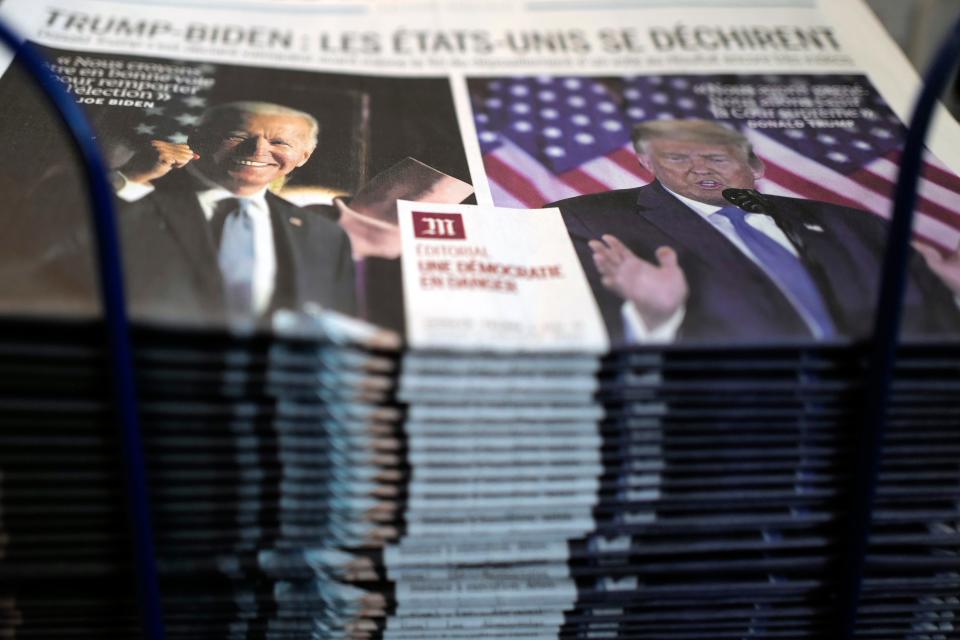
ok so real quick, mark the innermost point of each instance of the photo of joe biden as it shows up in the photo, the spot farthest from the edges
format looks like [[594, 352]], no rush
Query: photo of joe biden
[[204, 238]]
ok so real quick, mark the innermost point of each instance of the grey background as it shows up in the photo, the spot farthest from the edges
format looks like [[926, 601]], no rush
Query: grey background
[[919, 26]]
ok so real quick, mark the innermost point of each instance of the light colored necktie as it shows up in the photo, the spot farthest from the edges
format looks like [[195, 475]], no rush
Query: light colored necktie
[[788, 269], [237, 258]]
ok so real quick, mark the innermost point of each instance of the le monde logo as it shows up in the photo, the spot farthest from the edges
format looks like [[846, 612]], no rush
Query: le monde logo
[[438, 226]]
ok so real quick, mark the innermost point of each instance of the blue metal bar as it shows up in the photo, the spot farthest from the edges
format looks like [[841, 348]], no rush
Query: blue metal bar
[[886, 333], [110, 272]]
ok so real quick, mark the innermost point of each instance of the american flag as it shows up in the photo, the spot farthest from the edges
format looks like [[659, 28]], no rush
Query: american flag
[[174, 119], [552, 137]]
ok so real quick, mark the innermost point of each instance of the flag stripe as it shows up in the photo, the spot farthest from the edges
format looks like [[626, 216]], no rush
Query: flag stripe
[[813, 190], [543, 181], [512, 182], [610, 173], [626, 158], [774, 189], [933, 170], [941, 177], [924, 205], [808, 177], [503, 198], [583, 182], [948, 198]]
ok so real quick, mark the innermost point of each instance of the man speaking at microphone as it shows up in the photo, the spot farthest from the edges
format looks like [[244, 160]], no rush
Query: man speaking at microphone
[[678, 260]]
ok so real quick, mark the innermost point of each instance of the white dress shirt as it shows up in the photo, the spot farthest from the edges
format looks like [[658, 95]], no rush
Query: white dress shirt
[[208, 195], [635, 329]]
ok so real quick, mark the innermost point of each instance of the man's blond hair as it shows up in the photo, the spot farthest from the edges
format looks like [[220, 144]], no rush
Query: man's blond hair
[[693, 130]]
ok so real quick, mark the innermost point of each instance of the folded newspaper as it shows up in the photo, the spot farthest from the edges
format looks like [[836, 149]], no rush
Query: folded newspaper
[[528, 319], [720, 173]]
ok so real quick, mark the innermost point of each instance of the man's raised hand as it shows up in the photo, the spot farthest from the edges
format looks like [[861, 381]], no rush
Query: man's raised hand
[[158, 160], [947, 267], [658, 291]]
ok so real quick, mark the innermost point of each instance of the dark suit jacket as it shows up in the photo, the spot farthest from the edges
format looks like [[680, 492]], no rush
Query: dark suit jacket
[[731, 298], [171, 262]]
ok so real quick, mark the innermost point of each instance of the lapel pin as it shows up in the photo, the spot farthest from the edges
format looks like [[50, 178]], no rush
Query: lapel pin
[[297, 222], [814, 227]]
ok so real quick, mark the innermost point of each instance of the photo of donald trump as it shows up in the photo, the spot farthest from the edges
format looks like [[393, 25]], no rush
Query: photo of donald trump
[[699, 255]]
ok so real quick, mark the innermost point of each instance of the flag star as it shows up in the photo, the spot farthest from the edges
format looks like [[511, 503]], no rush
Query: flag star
[[154, 111], [555, 152], [178, 138], [195, 101], [552, 132], [187, 119], [145, 129], [606, 107]]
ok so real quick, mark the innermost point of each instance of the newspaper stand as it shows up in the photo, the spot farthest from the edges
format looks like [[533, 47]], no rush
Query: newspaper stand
[[881, 348], [117, 327], [881, 354]]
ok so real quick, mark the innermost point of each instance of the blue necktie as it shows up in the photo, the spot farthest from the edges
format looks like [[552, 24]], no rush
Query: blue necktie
[[786, 268], [237, 259]]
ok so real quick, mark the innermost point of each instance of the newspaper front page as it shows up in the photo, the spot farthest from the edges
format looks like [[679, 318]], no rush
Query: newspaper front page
[[540, 174]]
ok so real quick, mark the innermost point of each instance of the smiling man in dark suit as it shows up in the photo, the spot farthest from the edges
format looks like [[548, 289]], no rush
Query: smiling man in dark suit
[[676, 260], [203, 238]]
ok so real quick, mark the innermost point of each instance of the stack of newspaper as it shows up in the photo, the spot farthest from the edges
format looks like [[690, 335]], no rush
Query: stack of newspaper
[[455, 326], [265, 458]]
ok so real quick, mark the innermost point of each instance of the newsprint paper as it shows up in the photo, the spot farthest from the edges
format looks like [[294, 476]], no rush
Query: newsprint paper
[[523, 174]]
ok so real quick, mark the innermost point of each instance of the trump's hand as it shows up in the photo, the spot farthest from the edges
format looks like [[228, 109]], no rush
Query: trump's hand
[[158, 160], [658, 291], [947, 267]]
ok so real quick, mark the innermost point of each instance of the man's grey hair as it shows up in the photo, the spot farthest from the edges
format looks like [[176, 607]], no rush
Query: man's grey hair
[[261, 108], [693, 130]]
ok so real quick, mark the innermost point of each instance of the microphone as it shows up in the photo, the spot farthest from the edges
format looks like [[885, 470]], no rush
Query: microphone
[[750, 200]]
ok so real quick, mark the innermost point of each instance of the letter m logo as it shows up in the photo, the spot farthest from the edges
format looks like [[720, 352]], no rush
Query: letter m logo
[[440, 226]]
